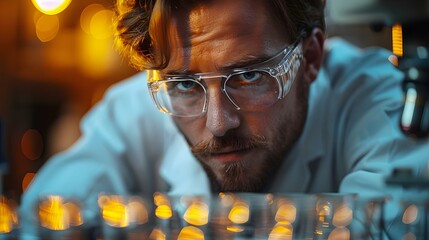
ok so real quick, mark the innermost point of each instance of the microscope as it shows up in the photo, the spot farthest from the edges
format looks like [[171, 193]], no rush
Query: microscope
[[409, 21]]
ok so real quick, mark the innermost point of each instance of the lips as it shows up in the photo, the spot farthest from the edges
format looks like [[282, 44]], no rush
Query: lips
[[230, 155]]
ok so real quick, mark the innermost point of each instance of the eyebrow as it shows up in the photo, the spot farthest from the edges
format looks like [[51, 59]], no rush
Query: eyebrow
[[244, 62], [248, 61]]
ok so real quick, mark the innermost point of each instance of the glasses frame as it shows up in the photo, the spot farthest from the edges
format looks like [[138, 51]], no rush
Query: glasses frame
[[289, 64]]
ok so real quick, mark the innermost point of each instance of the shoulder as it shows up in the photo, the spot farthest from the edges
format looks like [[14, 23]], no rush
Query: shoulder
[[135, 84], [344, 62]]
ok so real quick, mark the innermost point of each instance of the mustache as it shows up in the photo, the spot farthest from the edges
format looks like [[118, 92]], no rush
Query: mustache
[[215, 144]]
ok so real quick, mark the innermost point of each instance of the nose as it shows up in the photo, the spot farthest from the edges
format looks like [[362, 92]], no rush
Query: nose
[[221, 116]]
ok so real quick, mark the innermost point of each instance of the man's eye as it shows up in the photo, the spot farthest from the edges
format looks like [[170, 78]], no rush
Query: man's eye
[[185, 85], [250, 76]]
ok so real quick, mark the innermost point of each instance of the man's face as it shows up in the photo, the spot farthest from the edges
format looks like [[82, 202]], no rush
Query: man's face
[[239, 150]]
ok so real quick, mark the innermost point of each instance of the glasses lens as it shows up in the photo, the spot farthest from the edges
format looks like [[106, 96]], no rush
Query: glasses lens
[[180, 97], [252, 90]]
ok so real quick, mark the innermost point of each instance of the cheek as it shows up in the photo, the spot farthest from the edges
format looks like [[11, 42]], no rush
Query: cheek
[[192, 128]]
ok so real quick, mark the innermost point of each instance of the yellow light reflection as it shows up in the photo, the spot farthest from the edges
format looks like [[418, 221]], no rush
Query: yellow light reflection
[[191, 233], [410, 215], [87, 14], [53, 214], [101, 26], [114, 212], [342, 216], [226, 199], [160, 199], [47, 28], [8, 216], [239, 213], [286, 212], [197, 214], [137, 212], [51, 7], [323, 209], [163, 212], [283, 231], [397, 40], [235, 229], [339, 234], [157, 234], [74, 214]]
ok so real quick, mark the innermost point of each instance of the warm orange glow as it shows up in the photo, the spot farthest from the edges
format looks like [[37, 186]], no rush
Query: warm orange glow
[[197, 214], [8, 216], [191, 233], [53, 214], [397, 40], [26, 181], [235, 229], [119, 212], [339, 234], [393, 59], [282, 231], [286, 212], [160, 199], [157, 234], [47, 28], [32, 144], [51, 7], [410, 214], [114, 211], [137, 211], [239, 213], [87, 14], [342, 216], [163, 212], [101, 25], [74, 214]]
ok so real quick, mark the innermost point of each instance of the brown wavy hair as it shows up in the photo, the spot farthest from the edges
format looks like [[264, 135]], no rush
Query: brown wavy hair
[[141, 25]]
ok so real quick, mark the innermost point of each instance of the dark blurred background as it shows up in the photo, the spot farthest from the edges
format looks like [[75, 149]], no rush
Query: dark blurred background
[[55, 66]]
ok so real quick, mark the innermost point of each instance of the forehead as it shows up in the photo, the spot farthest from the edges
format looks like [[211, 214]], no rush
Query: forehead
[[222, 32]]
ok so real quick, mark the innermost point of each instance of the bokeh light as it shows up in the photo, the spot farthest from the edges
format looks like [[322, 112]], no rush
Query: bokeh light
[[47, 28], [51, 7], [32, 144], [101, 25], [197, 213], [8, 216], [87, 14], [28, 178]]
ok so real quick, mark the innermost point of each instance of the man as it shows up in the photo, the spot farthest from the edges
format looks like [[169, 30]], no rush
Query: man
[[247, 113]]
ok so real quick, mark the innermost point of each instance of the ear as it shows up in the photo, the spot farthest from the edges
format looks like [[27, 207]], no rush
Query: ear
[[313, 54]]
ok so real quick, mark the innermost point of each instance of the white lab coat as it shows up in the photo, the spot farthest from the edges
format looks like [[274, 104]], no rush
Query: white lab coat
[[351, 140]]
